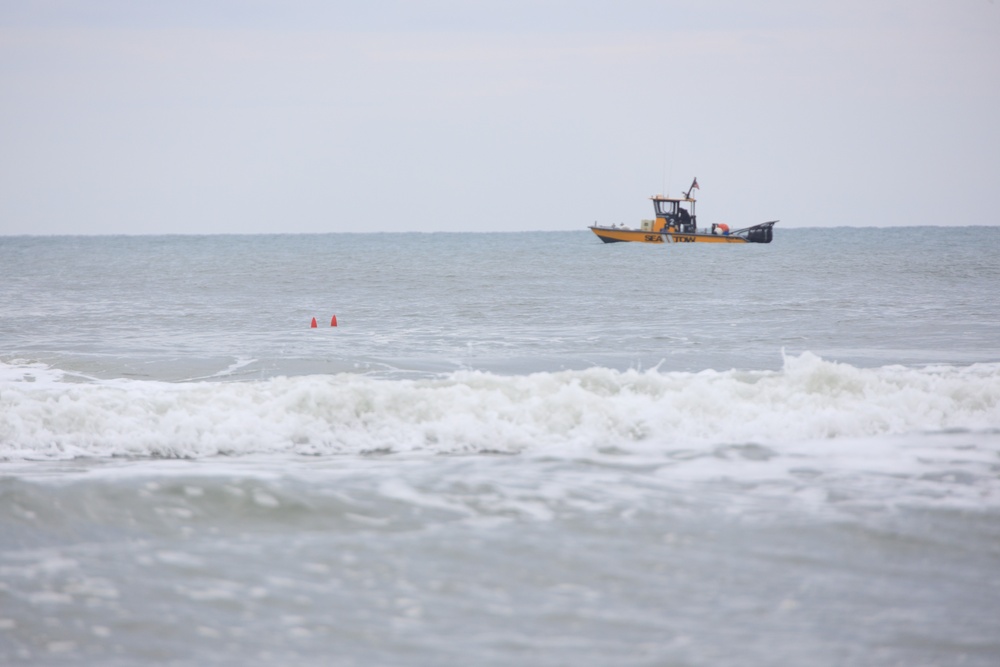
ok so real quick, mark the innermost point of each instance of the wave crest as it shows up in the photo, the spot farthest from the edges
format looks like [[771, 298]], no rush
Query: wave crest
[[569, 412]]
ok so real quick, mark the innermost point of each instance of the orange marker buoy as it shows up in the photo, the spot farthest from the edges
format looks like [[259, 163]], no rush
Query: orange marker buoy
[[333, 322], [313, 325]]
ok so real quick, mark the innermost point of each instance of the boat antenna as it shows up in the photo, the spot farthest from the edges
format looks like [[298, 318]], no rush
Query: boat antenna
[[664, 187], [668, 175]]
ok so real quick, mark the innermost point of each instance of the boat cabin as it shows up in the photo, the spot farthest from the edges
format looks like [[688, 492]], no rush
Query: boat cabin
[[676, 212]]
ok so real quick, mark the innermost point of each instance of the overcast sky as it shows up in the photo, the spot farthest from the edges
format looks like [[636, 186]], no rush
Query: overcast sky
[[455, 115]]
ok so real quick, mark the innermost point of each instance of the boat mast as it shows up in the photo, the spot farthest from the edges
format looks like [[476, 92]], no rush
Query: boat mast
[[694, 186]]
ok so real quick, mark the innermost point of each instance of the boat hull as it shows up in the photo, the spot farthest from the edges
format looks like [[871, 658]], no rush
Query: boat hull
[[609, 235]]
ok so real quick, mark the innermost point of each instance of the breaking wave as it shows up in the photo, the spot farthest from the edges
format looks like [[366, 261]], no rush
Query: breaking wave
[[47, 416]]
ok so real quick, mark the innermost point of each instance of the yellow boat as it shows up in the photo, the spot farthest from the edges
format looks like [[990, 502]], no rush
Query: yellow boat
[[676, 222]]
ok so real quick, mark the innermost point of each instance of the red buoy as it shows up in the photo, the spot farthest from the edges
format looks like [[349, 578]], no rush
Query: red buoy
[[313, 325], [333, 321]]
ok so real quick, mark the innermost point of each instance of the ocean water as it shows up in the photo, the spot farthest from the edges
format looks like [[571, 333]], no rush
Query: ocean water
[[523, 448]]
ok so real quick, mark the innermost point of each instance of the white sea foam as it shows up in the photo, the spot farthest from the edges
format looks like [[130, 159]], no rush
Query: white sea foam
[[563, 413]]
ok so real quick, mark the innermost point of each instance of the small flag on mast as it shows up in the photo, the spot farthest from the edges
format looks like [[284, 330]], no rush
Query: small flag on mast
[[694, 185]]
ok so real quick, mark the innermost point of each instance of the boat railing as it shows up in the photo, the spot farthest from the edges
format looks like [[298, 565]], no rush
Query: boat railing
[[763, 225]]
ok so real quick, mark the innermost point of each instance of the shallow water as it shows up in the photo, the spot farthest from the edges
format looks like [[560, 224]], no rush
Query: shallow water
[[514, 448]]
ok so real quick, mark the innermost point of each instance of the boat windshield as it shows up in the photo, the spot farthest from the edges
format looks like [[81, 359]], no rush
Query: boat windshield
[[666, 207]]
